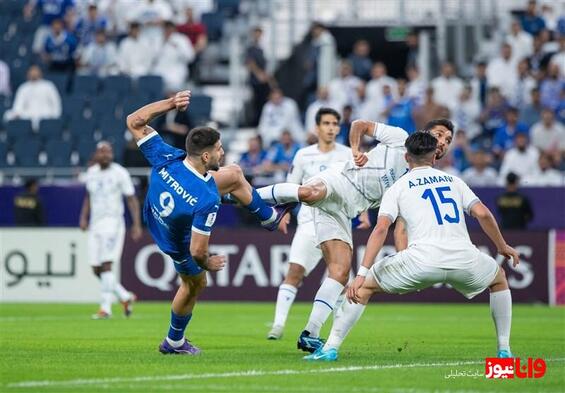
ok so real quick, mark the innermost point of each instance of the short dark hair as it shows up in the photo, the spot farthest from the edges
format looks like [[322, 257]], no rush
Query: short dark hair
[[420, 144], [200, 139], [512, 178], [326, 111], [439, 122], [30, 183]]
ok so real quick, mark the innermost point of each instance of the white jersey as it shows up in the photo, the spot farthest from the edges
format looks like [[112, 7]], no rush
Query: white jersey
[[385, 166], [106, 188], [310, 161], [433, 203]]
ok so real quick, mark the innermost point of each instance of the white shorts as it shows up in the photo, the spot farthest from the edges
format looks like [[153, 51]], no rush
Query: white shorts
[[333, 214], [106, 241], [399, 274], [304, 250]]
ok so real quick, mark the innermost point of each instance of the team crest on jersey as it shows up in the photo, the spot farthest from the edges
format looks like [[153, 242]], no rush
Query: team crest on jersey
[[211, 219]]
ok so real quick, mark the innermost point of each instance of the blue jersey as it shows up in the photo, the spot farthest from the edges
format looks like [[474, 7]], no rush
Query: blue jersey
[[179, 200]]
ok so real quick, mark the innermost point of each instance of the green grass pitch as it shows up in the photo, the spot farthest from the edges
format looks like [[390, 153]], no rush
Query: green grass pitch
[[394, 348]]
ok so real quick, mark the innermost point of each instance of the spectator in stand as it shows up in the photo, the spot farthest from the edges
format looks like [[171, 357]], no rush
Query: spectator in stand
[[360, 60], [560, 111], [446, 165], [531, 113], [513, 207], [322, 100], [429, 110], [35, 99], [151, 14], [548, 135], [525, 83], [479, 83], [258, 77], [412, 44], [546, 175], [135, 56], [280, 155], [531, 21], [50, 10], [28, 208], [325, 48], [87, 26], [399, 111], [467, 112], [416, 85], [173, 57], [460, 152], [502, 72], [550, 87], [100, 57], [5, 89], [493, 115], [345, 125], [59, 49], [447, 87], [539, 60], [480, 174], [559, 57], [522, 159], [504, 135], [374, 93], [280, 113], [254, 159], [347, 89], [118, 13], [522, 43], [197, 34]]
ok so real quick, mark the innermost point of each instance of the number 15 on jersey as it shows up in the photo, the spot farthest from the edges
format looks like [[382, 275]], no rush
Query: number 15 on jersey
[[444, 200]]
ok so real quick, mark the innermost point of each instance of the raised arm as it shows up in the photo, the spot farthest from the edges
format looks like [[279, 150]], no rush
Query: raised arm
[[138, 121], [490, 227], [84, 212], [133, 207], [359, 128]]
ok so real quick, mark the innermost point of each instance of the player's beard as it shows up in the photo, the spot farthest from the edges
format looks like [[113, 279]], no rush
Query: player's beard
[[213, 167]]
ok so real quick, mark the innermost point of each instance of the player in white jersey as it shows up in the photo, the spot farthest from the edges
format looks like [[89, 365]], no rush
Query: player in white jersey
[[341, 193], [304, 253], [432, 204], [106, 184]]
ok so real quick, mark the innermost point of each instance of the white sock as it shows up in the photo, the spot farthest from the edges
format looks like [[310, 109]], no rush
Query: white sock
[[348, 317], [339, 305], [121, 292], [324, 303], [108, 281], [279, 193], [501, 311], [175, 344], [285, 298]]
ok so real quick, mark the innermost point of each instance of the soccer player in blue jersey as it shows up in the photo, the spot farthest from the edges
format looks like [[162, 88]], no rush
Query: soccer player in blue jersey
[[181, 206]]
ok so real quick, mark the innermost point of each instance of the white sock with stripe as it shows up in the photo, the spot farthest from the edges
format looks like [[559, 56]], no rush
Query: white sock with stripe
[[285, 298], [324, 303]]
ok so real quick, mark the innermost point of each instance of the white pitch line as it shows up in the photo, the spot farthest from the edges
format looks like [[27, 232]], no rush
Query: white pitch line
[[240, 374]]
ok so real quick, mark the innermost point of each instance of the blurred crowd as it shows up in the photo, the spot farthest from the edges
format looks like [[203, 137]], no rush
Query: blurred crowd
[[509, 114]]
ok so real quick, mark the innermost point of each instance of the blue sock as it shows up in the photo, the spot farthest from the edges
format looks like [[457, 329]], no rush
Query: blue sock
[[258, 207], [178, 325]]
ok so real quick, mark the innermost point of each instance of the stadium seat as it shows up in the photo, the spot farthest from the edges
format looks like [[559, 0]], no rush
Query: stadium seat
[[80, 127], [121, 85], [229, 8], [103, 105], [3, 155], [60, 80], [85, 85], [200, 109], [51, 129], [26, 152], [73, 105], [151, 85], [112, 127], [58, 153], [133, 103], [18, 129], [85, 149], [214, 22]]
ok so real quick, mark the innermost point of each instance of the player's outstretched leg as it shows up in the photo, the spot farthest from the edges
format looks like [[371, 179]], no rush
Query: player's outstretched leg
[[337, 255], [348, 317], [285, 298], [230, 180], [278, 194], [501, 311], [181, 313], [104, 273]]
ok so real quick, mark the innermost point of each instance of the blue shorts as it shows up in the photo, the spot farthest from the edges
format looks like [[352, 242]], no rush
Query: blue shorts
[[188, 267]]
